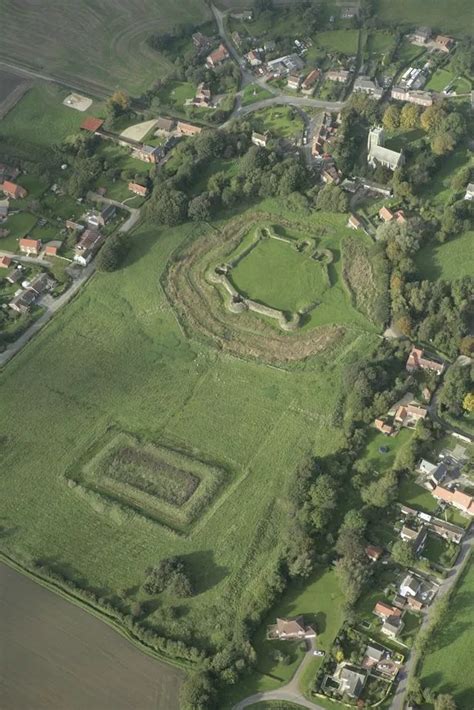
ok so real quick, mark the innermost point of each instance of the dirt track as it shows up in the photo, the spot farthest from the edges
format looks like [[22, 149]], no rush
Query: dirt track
[[55, 656]]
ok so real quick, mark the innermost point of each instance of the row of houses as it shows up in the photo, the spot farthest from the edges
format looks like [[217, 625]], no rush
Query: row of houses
[[420, 98]]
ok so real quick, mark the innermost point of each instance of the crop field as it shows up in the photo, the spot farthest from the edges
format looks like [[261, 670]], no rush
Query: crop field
[[447, 16], [65, 657], [117, 358], [450, 652], [97, 47]]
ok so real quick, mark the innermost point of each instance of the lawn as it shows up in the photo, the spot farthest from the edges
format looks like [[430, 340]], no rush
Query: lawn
[[440, 80], [176, 93], [439, 189], [382, 460], [319, 599], [410, 493], [253, 93], [447, 16], [449, 656], [281, 121], [112, 38], [449, 261], [344, 41], [254, 421], [119, 158], [19, 225], [439, 551], [380, 42]]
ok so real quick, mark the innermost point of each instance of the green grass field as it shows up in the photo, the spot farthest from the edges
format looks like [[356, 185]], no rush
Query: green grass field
[[253, 93], [116, 357], [391, 445], [281, 121], [449, 261], [100, 47], [380, 42], [449, 655], [297, 279], [344, 41], [444, 16]]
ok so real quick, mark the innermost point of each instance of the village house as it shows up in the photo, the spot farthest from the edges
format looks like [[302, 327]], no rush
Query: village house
[[351, 680], [294, 81], [200, 41], [5, 262], [374, 552], [22, 302], [458, 499], [385, 214], [438, 474], [285, 629], [374, 654], [92, 125], [330, 175], [100, 219], [422, 35], [420, 98], [147, 153], [414, 604], [14, 276], [52, 248], [364, 84], [218, 56], [417, 360], [87, 246], [410, 586], [384, 426], [310, 80], [385, 611], [253, 58], [7, 172], [30, 246], [187, 129], [354, 222], [377, 154], [339, 75], [260, 139], [202, 97], [392, 626], [410, 414], [137, 189], [12, 190], [417, 537], [448, 531], [4, 205], [74, 226], [41, 283], [400, 217], [443, 43]]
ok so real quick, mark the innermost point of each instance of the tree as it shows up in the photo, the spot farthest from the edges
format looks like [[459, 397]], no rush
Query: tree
[[442, 143], [197, 692], [113, 252], [444, 702], [457, 382], [381, 492], [118, 103], [466, 346], [461, 179], [332, 199], [323, 500], [403, 553], [432, 117], [468, 402], [410, 116], [168, 206], [391, 118], [199, 208]]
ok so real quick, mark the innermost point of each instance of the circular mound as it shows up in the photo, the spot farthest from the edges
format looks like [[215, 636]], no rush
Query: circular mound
[[323, 256], [207, 308]]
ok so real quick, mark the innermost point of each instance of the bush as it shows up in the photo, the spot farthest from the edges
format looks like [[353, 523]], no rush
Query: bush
[[113, 253]]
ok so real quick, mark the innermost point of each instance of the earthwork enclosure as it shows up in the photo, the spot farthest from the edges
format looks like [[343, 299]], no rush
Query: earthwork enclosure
[[262, 288], [122, 475]]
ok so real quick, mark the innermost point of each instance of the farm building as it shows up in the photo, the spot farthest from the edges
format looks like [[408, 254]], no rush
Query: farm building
[[5, 262], [188, 129], [92, 124], [417, 361], [339, 75], [11, 189], [147, 153], [443, 43], [165, 124], [310, 80]]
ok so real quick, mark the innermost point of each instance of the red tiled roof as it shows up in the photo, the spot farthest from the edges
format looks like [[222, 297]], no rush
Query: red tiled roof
[[25, 242], [91, 124], [5, 261]]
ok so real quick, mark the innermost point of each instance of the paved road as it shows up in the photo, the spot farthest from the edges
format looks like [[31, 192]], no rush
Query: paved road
[[56, 656], [445, 587], [289, 692]]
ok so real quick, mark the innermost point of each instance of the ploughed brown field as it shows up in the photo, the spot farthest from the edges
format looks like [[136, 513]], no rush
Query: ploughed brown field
[[54, 655]]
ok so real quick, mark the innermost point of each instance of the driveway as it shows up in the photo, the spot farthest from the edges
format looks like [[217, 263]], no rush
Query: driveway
[[289, 692]]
